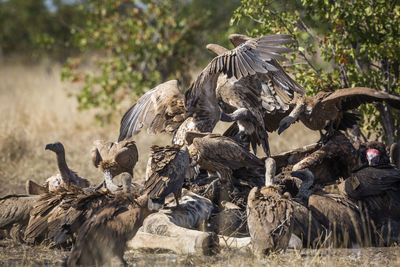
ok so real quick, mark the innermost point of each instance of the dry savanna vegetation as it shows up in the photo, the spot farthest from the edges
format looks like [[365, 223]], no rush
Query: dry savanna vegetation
[[36, 110]]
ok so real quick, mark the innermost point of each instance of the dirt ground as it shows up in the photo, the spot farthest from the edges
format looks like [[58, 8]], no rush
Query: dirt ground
[[22, 255], [35, 110]]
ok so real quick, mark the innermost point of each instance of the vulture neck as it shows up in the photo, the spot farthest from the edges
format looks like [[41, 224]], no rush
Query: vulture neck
[[270, 168], [127, 183], [63, 167], [108, 181], [298, 110]]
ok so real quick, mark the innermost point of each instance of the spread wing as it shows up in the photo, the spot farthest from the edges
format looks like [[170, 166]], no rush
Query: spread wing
[[251, 57], [351, 98], [280, 79], [161, 109]]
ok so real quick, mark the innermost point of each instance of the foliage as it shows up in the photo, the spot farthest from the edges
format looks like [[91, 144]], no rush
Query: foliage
[[358, 42], [30, 28], [139, 44]]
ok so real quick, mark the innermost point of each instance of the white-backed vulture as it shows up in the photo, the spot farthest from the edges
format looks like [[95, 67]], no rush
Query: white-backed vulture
[[231, 221], [157, 109], [68, 176], [329, 110], [165, 174], [219, 154], [14, 214], [269, 215], [337, 158], [106, 234], [340, 215], [268, 93], [58, 215], [114, 159]]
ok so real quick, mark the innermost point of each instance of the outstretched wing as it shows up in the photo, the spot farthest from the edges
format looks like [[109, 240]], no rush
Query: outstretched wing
[[279, 78], [251, 57], [351, 98], [161, 109]]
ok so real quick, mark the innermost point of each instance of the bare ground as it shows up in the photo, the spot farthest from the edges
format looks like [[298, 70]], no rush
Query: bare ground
[[35, 110]]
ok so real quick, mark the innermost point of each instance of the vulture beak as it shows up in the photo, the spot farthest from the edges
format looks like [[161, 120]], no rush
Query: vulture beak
[[48, 147]]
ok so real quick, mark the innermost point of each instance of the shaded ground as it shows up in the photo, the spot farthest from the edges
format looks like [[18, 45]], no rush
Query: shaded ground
[[22, 255]]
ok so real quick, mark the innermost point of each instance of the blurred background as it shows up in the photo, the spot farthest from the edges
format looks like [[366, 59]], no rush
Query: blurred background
[[69, 69]]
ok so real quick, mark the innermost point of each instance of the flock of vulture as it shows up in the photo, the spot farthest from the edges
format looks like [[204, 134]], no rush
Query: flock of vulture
[[220, 187]]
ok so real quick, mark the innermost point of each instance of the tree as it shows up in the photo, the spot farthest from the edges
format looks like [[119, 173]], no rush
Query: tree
[[29, 28], [341, 44], [140, 44]]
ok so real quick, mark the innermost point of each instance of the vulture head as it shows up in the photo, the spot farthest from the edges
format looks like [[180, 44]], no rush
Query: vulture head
[[56, 147], [376, 154]]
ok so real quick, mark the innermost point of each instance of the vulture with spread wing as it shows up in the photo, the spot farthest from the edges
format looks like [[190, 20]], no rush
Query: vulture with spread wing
[[266, 95], [329, 110], [165, 109]]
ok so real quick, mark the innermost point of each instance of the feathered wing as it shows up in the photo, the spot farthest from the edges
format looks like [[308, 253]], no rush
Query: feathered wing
[[161, 110], [251, 57], [351, 98], [167, 171], [279, 77], [225, 151]]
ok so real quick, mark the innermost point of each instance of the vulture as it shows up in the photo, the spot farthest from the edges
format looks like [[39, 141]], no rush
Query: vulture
[[268, 93], [220, 155], [395, 155], [114, 159], [338, 214], [269, 215], [330, 110], [105, 235], [57, 216], [337, 158], [166, 109], [165, 174], [14, 214], [231, 221], [68, 177]]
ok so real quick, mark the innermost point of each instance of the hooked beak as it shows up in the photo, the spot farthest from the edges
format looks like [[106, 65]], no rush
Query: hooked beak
[[282, 128]]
